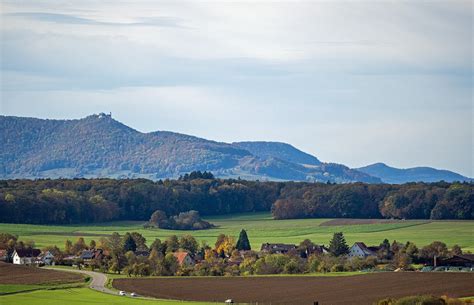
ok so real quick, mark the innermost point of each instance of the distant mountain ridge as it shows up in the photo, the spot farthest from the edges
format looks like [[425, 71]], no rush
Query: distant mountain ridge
[[390, 174], [99, 146]]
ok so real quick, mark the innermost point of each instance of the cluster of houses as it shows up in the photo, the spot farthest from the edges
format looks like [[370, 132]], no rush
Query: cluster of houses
[[358, 249]]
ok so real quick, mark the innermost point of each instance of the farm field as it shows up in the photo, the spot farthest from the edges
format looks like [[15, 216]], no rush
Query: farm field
[[262, 228], [23, 275], [355, 290]]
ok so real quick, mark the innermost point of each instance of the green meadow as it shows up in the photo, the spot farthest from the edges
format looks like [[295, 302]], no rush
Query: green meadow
[[80, 296], [261, 228]]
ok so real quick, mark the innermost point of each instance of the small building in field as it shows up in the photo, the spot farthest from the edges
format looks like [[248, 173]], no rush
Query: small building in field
[[184, 258], [277, 248], [359, 249], [26, 256]]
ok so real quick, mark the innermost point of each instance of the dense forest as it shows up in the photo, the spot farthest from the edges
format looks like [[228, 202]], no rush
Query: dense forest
[[64, 201]]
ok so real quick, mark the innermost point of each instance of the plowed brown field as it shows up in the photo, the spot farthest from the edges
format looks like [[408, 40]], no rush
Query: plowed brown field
[[355, 290], [16, 274]]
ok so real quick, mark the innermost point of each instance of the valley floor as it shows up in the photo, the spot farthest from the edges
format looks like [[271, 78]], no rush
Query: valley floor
[[261, 228]]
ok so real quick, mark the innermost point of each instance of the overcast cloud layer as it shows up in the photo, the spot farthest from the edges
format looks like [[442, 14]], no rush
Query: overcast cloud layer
[[353, 82]]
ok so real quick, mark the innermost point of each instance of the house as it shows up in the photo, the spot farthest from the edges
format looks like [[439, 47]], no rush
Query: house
[[87, 255], [359, 249], [314, 249], [26, 256], [46, 258], [184, 258], [277, 248], [3, 255], [463, 260]]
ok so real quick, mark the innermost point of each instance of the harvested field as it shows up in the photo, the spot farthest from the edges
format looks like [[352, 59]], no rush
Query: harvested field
[[16, 274], [355, 290], [354, 221]]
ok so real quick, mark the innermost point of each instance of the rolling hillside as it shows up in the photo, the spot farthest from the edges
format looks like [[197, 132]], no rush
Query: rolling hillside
[[99, 146], [416, 174]]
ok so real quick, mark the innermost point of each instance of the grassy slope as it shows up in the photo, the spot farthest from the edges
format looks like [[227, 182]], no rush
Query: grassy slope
[[262, 228], [81, 296]]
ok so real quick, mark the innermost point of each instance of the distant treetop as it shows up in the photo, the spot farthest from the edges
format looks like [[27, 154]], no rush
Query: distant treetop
[[196, 175]]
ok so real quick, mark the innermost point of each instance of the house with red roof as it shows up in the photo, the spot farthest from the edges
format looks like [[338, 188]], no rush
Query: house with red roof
[[184, 258]]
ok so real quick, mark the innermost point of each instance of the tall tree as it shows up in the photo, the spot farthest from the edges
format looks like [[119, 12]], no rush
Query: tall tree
[[129, 243], [338, 245], [243, 243]]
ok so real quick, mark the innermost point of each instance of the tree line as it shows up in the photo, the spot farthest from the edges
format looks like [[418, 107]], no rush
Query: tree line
[[64, 201]]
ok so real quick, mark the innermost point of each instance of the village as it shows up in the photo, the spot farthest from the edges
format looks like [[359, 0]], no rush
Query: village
[[184, 256]]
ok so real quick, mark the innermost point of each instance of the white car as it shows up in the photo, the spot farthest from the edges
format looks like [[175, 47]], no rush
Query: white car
[[122, 293], [133, 294]]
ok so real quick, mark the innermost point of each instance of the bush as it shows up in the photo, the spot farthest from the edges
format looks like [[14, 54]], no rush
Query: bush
[[422, 300], [190, 220]]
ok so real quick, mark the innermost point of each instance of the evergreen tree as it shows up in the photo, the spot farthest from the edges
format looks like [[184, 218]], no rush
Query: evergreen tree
[[243, 243], [129, 243], [338, 245]]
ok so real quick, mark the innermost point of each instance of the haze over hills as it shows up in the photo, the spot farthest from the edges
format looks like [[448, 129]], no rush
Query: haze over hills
[[99, 146], [390, 174]]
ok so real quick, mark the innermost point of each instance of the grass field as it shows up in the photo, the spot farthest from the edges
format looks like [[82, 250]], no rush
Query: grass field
[[262, 228], [81, 296]]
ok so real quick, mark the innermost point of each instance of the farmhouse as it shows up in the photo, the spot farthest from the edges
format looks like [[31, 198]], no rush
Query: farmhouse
[[359, 249], [26, 256], [464, 260], [46, 258], [277, 248], [315, 249], [87, 255], [184, 258]]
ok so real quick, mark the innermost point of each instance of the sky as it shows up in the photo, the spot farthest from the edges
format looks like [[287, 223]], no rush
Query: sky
[[352, 82]]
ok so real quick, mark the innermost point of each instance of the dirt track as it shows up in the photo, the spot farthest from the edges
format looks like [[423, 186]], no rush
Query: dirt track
[[355, 290], [16, 274]]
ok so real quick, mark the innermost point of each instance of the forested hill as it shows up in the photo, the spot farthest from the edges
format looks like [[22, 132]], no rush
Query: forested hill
[[65, 201], [390, 174], [283, 151], [99, 146]]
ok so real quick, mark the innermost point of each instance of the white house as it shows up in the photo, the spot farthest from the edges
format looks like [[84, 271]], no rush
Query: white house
[[25, 256], [359, 249], [47, 258]]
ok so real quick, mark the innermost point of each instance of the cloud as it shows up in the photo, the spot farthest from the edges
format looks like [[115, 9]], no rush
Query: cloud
[[71, 19], [387, 81]]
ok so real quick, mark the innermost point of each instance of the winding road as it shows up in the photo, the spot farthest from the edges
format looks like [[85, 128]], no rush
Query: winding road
[[98, 279]]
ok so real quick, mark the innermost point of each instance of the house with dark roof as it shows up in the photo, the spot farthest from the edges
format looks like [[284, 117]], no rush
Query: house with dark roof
[[26, 256], [46, 258], [277, 248], [87, 255], [463, 260], [359, 249], [314, 250]]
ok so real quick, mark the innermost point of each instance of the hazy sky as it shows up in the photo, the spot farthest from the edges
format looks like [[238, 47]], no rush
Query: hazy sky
[[353, 82]]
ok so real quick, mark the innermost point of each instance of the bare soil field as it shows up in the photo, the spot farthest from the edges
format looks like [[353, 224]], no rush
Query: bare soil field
[[16, 274], [355, 221], [355, 290]]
